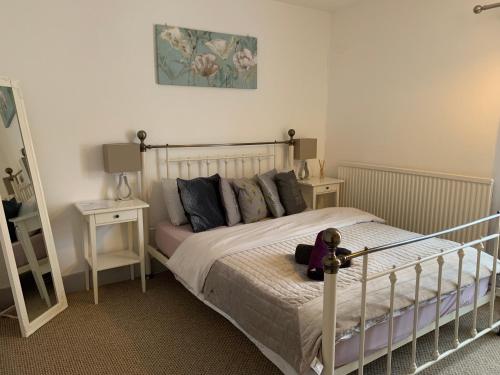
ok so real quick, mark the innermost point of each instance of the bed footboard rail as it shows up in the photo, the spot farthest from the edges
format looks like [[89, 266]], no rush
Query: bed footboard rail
[[332, 264]]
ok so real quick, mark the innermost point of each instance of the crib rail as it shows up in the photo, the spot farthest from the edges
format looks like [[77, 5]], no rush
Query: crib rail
[[332, 265]]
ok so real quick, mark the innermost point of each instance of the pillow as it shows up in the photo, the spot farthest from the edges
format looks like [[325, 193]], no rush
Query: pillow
[[271, 195], [173, 201], [229, 202], [250, 199], [290, 194], [28, 207], [202, 203], [11, 209]]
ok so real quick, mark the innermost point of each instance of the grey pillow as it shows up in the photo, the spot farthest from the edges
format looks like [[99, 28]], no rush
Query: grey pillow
[[250, 199], [271, 195], [290, 194], [229, 202], [173, 201]]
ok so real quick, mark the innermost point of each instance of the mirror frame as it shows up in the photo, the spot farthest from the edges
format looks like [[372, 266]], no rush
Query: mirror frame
[[29, 327]]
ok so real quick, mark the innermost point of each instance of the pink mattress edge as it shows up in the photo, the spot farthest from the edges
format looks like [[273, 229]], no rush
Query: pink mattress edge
[[168, 236]]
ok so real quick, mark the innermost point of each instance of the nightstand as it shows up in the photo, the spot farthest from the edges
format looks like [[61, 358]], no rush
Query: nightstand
[[314, 187], [107, 212]]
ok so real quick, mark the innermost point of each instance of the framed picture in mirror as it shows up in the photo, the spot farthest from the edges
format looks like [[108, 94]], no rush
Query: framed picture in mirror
[[31, 287], [7, 106]]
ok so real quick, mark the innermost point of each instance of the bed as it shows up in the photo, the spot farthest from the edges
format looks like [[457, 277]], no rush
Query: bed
[[281, 309], [247, 273]]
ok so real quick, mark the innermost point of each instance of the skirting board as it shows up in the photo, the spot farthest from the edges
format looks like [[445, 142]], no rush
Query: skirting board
[[76, 282]]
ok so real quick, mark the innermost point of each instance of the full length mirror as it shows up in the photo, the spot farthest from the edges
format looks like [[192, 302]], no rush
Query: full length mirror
[[31, 278]]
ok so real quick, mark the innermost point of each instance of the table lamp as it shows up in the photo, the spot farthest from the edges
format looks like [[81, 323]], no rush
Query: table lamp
[[304, 148], [120, 158]]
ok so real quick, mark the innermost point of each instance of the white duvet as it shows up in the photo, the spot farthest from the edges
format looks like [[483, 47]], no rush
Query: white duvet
[[194, 258]]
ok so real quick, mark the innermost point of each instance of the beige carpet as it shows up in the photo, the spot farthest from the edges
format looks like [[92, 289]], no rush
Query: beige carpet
[[168, 331]]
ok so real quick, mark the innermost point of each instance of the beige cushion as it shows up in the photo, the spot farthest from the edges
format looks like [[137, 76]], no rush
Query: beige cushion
[[229, 202], [173, 201], [250, 199], [270, 191]]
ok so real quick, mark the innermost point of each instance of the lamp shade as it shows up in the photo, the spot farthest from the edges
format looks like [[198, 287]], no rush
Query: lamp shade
[[305, 148], [122, 157]]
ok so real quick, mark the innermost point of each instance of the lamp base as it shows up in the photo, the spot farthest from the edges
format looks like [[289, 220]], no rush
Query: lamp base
[[303, 173], [123, 190]]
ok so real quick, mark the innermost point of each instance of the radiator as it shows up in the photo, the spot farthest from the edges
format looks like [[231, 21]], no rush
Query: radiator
[[418, 201]]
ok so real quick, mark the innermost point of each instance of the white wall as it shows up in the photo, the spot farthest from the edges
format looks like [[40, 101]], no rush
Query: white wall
[[415, 84], [87, 72]]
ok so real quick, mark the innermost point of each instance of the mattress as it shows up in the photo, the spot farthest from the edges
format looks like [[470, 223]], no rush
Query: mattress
[[168, 236], [249, 275]]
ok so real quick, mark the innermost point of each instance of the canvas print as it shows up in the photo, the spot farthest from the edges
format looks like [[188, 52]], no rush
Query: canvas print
[[7, 106], [191, 57]]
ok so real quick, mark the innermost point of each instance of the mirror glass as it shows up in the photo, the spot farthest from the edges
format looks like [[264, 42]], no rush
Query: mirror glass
[[23, 220]]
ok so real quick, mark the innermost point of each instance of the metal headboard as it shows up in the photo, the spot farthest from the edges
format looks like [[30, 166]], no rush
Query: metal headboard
[[189, 163], [207, 160], [141, 134]]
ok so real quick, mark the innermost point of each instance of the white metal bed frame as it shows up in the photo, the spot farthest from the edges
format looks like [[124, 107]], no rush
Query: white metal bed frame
[[333, 263]]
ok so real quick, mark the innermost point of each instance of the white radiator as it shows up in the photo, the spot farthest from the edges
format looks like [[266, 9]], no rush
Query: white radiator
[[418, 201]]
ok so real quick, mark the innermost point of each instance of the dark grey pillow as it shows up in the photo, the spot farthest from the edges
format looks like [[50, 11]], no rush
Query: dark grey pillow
[[270, 191], [202, 203], [229, 202], [250, 199], [11, 209], [290, 194]]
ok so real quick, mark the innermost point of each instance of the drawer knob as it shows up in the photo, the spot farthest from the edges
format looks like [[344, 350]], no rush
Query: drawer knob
[[328, 188], [117, 216]]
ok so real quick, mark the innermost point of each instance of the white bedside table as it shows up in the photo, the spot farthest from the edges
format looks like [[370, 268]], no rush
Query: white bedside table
[[315, 186], [108, 212]]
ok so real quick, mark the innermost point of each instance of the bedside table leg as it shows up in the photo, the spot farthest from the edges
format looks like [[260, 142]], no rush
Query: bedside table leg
[[93, 249], [86, 254], [140, 244], [130, 233]]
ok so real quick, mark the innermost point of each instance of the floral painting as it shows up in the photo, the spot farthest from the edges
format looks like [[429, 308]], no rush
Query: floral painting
[[7, 106], [191, 57]]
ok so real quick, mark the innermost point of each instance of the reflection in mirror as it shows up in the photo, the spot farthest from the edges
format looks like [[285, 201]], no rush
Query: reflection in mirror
[[23, 220]]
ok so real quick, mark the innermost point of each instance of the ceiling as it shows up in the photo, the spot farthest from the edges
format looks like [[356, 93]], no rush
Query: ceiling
[[329, 5]]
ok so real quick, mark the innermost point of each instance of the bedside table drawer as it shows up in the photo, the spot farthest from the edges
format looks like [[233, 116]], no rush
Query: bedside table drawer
[[116, 217], [326, 189]]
